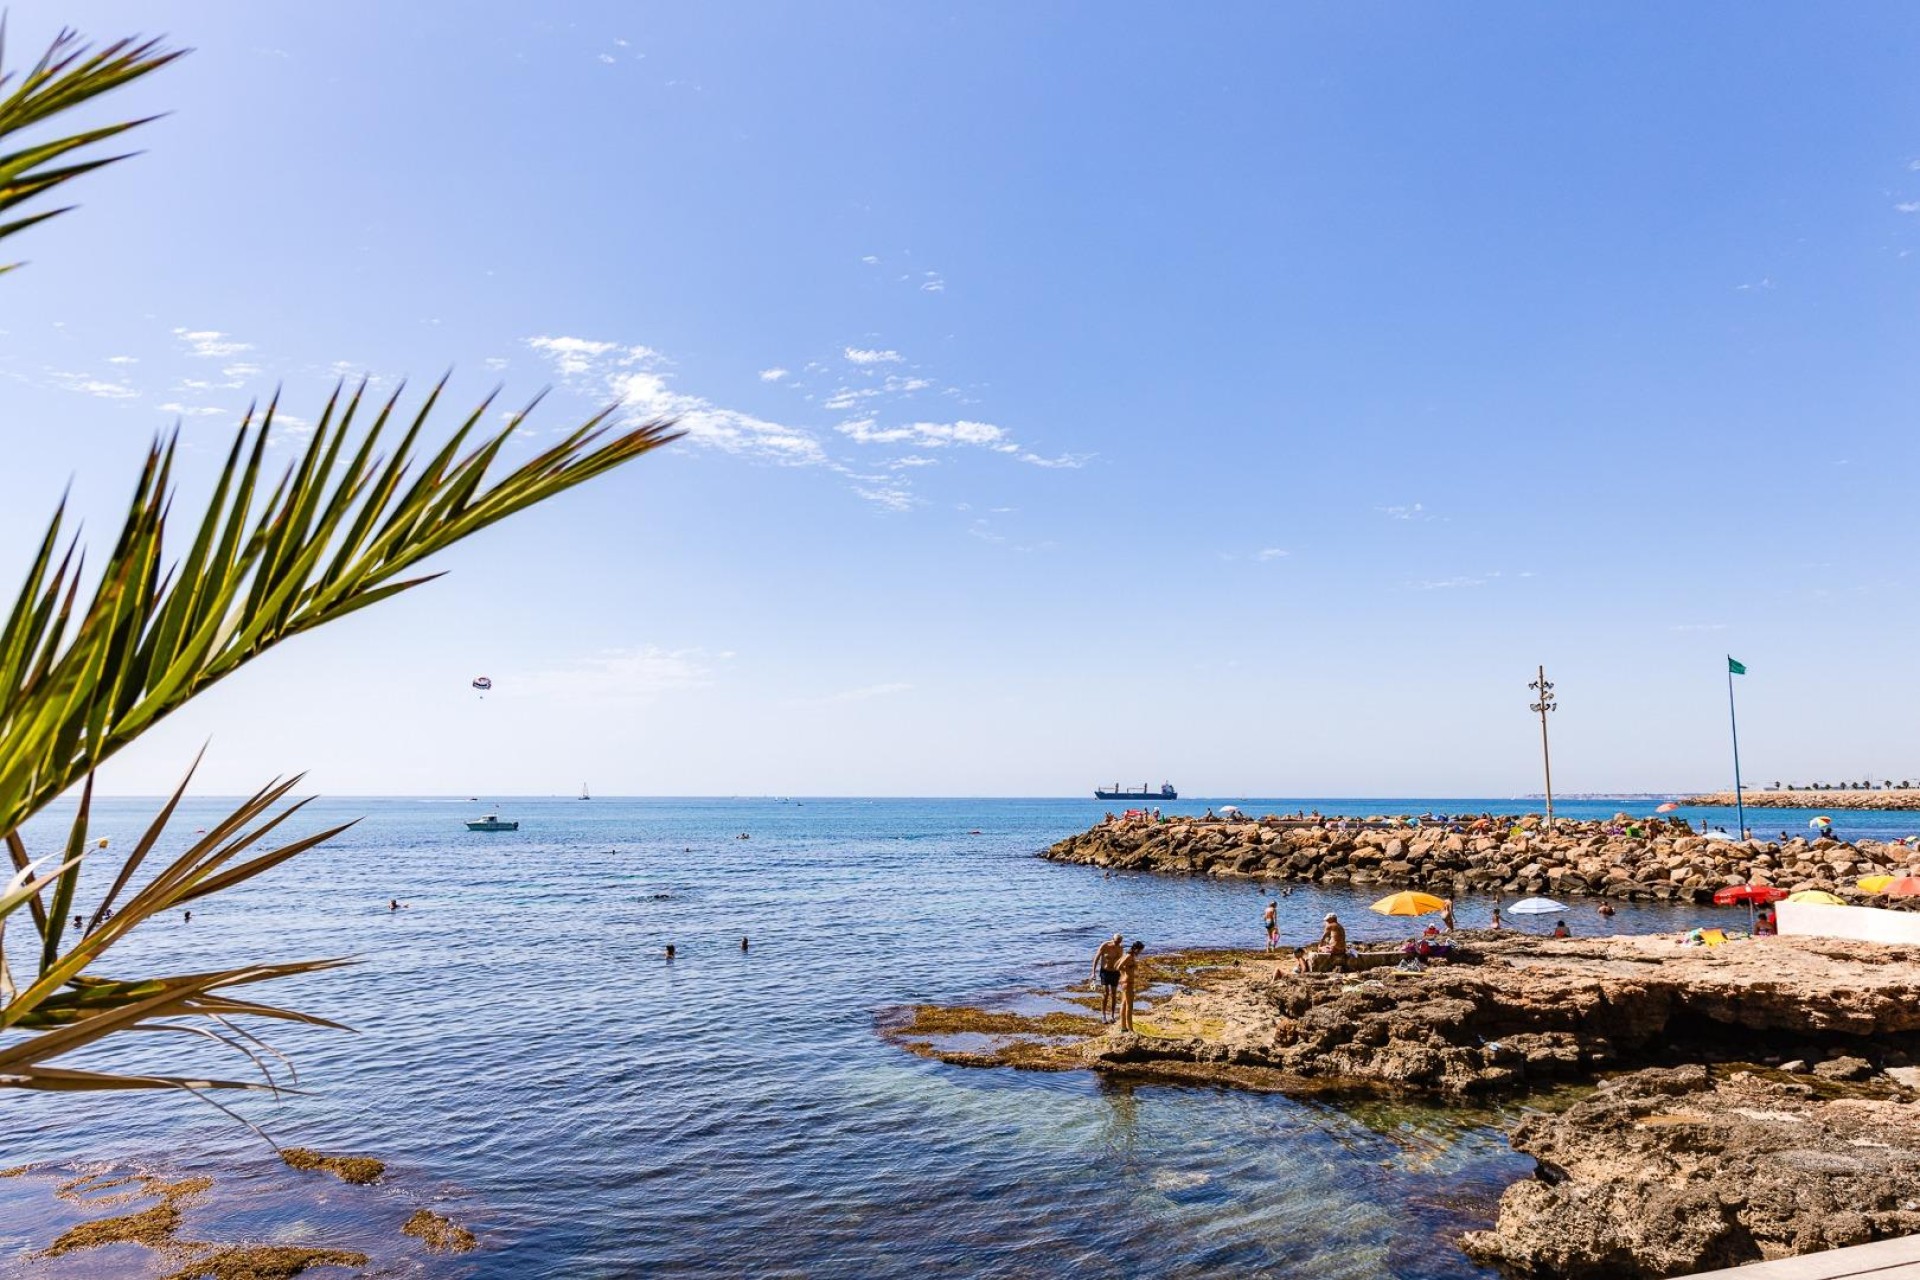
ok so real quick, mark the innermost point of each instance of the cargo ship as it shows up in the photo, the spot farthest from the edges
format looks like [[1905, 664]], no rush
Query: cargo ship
[[1118, 792]]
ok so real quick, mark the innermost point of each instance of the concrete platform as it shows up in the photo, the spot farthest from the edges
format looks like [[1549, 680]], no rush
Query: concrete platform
[[1881, 1260]]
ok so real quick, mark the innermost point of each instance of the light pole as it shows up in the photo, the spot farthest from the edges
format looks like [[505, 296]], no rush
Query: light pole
[[1543, 687]]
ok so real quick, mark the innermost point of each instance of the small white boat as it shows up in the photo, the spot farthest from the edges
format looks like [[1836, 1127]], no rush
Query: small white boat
[[583, 792], [492, 823]]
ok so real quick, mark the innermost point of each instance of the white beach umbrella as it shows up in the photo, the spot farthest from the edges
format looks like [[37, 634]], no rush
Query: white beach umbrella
[[1536, 907]]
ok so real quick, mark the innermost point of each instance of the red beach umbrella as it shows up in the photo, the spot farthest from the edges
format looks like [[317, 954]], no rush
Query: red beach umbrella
[[1751, 893], [1904, 887]]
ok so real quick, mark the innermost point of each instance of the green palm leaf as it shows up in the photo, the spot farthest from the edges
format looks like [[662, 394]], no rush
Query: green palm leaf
[[68, 74]]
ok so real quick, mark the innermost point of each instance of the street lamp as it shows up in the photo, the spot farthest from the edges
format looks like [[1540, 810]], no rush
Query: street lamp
[[1543, 689]]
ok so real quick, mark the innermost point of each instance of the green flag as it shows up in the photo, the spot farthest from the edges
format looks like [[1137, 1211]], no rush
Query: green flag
[[1737, 668]]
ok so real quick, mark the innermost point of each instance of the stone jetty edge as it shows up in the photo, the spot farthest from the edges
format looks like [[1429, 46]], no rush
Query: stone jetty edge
[[1636, 860], [1898, 800]]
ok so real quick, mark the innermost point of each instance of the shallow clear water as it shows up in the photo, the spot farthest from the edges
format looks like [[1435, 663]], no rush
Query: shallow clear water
[[527, 1060]]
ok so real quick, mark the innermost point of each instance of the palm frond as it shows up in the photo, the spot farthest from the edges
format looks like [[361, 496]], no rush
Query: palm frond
[[340, 529], [69, 73]]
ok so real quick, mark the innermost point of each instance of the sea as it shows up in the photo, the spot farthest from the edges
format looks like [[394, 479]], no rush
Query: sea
[[528, 1062]]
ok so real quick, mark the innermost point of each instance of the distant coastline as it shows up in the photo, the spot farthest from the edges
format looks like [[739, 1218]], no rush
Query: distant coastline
[[1898, 798]]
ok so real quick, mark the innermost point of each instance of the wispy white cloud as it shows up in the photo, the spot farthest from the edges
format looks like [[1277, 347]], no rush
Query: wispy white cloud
[[1908, 206], [1449, 584], [889, 497], [1271, 553], [87, 384], [210, 344], [632, 675], [930, 435], [847, 397], [933, 282], [1698, 626], [631, 374], [872, 259], [1412, 511], [635, 375], [179, 410], [866, 693], [123, 359], [577, 357]]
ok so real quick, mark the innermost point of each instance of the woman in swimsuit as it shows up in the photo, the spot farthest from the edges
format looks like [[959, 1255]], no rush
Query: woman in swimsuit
[[1129, 974]]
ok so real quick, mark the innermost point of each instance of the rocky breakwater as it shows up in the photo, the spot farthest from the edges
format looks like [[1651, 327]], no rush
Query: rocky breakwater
[[1897, 798], [1637, 860]]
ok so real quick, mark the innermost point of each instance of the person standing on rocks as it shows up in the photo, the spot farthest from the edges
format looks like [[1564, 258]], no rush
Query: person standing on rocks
[[1446, 915], [1106, 970], [1271, 918], [1129, 977]]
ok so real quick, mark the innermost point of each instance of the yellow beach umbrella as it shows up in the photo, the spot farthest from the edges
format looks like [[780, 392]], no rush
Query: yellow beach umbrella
[[1817, 895], [1409, 903], [1874, 884]]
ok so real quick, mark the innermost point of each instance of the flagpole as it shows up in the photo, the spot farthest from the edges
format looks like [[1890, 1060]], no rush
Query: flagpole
[[1739, 804]]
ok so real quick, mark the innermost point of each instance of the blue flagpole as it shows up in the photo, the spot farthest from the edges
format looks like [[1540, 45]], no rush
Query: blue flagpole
[[1739, 805]]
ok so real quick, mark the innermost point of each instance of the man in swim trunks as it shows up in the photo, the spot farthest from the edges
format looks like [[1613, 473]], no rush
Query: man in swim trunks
[[1106, 969]]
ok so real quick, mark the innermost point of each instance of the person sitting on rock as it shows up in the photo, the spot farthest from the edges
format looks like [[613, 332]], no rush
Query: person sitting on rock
[[1333, 939], [1560, 929]]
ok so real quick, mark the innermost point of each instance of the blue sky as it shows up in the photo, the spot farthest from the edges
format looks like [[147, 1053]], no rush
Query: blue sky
[[1244, 395]]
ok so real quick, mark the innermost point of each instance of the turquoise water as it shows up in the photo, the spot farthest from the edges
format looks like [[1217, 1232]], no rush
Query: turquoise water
[[527, 1059]]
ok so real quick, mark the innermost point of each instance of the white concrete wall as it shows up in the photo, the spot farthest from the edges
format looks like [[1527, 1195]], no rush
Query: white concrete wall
[[1864, 924]]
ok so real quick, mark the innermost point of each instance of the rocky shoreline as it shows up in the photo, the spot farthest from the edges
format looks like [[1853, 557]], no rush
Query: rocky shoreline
[[1754, 1100], [1899, 798], [1640, 860]]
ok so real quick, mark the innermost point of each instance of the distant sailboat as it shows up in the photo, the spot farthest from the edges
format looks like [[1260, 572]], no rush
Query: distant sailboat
[[583, 792]]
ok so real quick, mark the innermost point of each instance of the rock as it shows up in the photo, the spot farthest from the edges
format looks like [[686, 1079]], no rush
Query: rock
[[1843, 1068], [1658, 1175]]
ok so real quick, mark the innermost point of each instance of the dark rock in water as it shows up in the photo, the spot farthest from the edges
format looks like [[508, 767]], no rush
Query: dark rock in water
[[440, 1234], [358, 1170]]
